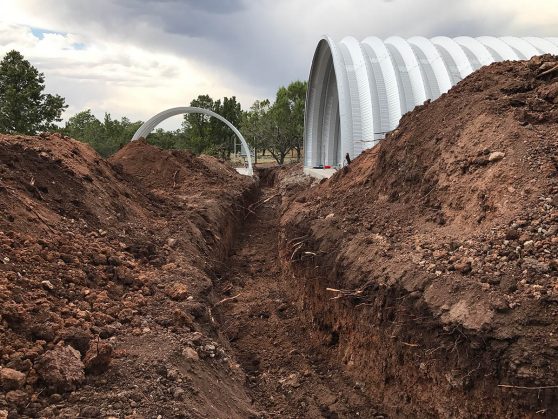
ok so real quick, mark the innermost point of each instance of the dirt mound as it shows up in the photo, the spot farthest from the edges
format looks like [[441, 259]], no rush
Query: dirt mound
[[195, 187], [439, 247], [44, 180], [176, 170], [106, 284], [427, 269]]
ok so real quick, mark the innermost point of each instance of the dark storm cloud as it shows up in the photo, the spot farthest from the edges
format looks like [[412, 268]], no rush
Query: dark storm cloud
[[211, 6], [233, 38], [470, 27], [186, 17], [266, 43]]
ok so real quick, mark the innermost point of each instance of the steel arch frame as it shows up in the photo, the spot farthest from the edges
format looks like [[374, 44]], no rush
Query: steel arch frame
[[149, 125], [522, 46], [544, 45]]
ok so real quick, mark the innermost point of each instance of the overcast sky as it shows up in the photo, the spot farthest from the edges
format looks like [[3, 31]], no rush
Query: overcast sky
[[137, 57]]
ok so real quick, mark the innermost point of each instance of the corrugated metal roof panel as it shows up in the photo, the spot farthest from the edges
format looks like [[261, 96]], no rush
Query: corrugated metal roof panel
[[377, 81]]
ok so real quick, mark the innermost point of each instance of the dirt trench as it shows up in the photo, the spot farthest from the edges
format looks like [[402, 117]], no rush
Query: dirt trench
[[288, 372]]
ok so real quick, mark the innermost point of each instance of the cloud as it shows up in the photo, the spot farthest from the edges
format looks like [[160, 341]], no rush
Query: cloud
[[145, 55], [107, 76]]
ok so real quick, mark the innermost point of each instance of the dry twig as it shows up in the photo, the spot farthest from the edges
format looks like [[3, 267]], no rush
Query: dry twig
[[297, 248], [263, 201], [345, 293], [224, 300], [527, 388], [552, 70], [303, 238]]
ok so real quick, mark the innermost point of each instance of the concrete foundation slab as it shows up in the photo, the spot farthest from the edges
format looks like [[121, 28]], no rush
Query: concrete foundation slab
[[319, 173], [244, 171]]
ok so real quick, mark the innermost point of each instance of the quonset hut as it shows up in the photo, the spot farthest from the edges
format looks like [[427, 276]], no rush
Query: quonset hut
[[358, 91]]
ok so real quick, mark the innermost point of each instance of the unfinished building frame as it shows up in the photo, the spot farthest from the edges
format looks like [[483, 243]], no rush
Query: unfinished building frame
[[149, 125]]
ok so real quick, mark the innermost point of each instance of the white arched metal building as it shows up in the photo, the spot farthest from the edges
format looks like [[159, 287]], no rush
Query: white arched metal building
[[358, 91]]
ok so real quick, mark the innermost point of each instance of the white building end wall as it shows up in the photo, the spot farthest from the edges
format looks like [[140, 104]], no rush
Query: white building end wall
[[358, 91]]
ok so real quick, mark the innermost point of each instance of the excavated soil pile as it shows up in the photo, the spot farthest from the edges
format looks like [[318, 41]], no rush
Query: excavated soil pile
[[175, 170], [196, 186], [420, 281], [106, 281], [430, 265]]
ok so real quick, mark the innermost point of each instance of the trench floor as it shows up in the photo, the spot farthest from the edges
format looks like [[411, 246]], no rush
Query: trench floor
[[290, 371]]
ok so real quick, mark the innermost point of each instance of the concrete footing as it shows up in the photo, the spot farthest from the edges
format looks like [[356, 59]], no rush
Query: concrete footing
[[319, 173]]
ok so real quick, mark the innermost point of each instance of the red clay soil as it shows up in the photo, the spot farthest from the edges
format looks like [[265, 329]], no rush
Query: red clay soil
[[421, 281], [288, 375], [118, 298], [430, 264], [106, 282]]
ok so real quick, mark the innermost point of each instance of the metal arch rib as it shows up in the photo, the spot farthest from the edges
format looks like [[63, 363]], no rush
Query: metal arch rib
[[521, 46], [359, 89], [478, 50], [544, 45], [433, 65], [463, 66], [315, 97], [151, 123], [309, 116], [500, 47], [345, 114], [330, 109], [396, 76], [384, 87], [415, 94], [314, 90]]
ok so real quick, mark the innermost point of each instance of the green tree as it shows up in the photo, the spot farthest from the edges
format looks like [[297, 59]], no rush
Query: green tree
[[24, 108], [296, 99], [222, 136], [197, 126], [275, 133], [205, 134], [105, 137], [252, 125], [168, 139], [278, 127], [116, 134], [84, 126]]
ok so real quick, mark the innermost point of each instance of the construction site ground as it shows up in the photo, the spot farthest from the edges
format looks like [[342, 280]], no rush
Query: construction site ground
[[419, 281]]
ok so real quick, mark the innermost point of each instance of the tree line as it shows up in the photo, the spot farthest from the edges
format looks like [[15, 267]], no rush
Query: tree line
[[268, 126]]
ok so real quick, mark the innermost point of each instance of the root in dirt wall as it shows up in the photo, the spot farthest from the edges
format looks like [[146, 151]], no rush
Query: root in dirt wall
[[106, 281], [411, 364], [439, 247]]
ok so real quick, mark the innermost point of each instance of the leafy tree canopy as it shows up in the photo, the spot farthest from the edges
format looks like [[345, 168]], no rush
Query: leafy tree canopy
[[276, 127], [209, 135], [24, 108], [106, 137], [279, 126]]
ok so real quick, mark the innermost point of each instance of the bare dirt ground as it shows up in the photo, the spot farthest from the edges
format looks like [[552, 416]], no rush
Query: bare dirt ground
[[421, 281], [433, 257], [114, 280], [106, 281], [288, 374]]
